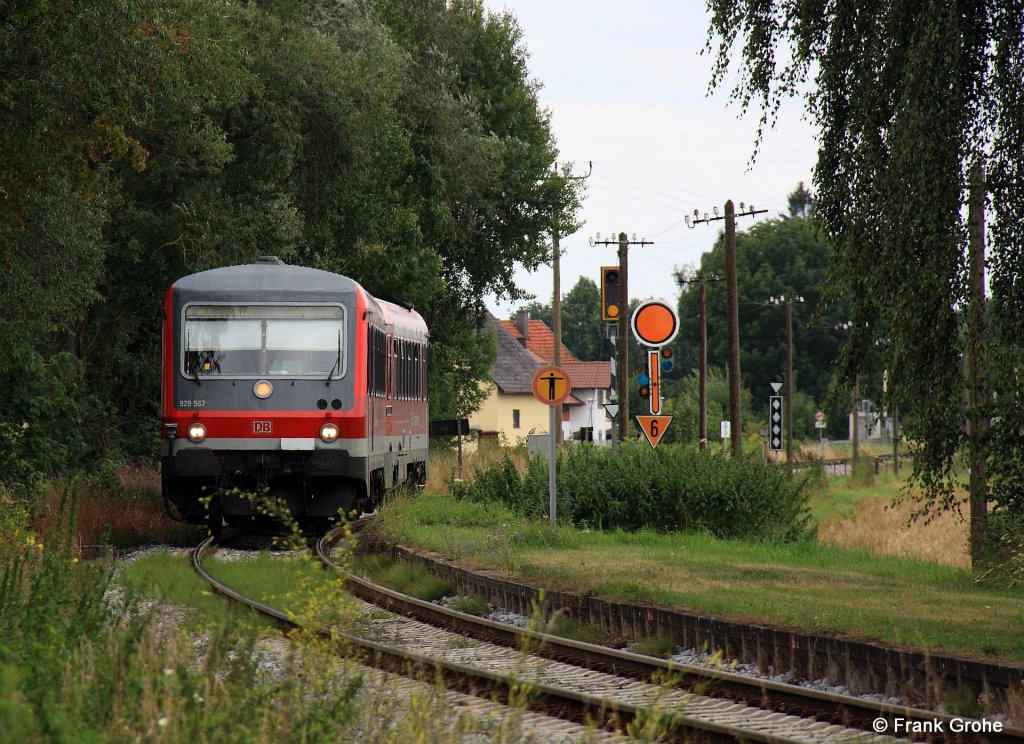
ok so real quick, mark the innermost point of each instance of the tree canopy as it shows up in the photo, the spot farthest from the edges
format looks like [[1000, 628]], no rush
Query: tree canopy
[[774, 258], [909, 98], [399, 142]]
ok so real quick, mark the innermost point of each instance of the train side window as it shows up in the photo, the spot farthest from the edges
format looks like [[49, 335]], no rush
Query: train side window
[[408, 370], [382, 372], [381, 364], [415, 392], [400, 356], [399, 371], [426, 373]]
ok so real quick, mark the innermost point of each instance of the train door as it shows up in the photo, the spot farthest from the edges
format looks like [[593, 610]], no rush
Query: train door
[[372, 393]]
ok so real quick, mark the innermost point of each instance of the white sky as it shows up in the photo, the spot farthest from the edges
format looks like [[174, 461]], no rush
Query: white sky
[[626, 86]]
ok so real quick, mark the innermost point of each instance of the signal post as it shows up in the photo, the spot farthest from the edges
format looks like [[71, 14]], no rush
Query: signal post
[[617, 313], [552, 387], [655, 324]]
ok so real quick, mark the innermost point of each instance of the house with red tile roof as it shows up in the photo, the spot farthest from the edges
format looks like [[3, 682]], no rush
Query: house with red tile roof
[[511, 412]]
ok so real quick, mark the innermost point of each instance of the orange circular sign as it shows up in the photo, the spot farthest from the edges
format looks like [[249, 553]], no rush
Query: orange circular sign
[[551, 385], [655, 323]]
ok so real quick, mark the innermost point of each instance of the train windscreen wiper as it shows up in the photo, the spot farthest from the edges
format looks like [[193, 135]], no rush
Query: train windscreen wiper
[[188, 359], [337, 362]]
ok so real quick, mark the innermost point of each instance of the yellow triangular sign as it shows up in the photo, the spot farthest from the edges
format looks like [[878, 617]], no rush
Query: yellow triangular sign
[[654, 428]]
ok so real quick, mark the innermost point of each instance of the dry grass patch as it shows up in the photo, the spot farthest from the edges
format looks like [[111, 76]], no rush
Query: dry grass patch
[[886, 529], [443, 464], [126, 507]]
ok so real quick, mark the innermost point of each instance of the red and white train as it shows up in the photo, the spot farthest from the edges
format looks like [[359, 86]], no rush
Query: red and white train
[[291, 383]]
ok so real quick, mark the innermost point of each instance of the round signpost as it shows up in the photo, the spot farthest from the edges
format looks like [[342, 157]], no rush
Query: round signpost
[[552, 387], [655, 323]]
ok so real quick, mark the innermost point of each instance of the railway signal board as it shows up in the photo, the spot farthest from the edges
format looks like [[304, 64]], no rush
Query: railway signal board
[[655, 323], [775, 423], [551, 385], [654, 428]]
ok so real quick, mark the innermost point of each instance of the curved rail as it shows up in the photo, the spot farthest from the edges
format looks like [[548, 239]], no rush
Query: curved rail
[[570, 705], [844, 710]]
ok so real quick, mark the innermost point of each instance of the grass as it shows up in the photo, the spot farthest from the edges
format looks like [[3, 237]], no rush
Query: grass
[[123, 509], [169, 578], [443, 462], [841, 497], [863, 515], [808, 585], [290, 583], [402, 577]]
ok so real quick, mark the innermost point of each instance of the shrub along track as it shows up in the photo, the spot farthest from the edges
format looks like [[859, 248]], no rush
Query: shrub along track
[[560, 690]]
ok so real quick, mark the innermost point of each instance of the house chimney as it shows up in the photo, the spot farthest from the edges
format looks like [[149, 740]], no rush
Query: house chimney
[[523, 323]]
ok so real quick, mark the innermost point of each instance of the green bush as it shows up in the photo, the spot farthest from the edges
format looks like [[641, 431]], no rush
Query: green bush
[[42, 424], [668, 488]]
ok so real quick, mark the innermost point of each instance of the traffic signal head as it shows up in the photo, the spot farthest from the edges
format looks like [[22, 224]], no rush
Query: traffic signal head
[[645, 391], [610, 288], [666, 352]]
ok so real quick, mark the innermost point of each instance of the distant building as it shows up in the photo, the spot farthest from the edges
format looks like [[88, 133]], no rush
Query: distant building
[[872, 425], [511, 412]]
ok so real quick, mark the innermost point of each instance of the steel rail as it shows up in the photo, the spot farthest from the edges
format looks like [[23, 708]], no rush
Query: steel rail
[[569, 705], [845, 710]]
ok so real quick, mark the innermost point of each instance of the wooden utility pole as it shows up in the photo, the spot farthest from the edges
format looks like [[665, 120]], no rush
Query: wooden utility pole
[[733, 311], [789, 373], [854, 394], [622, 358], [701, 280], [556, 317], [789, 387], [895, 437], [977, 395], [702, 363], [856, 421], [622, 343], [556, 294]]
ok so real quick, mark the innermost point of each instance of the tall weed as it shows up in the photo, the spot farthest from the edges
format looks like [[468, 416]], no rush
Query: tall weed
[[673, 487]]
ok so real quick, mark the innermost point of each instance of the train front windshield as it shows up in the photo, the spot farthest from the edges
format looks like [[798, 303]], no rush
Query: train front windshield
[[251, 341]]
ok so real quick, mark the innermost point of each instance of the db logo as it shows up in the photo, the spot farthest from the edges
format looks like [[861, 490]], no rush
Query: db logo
[[262, 427]]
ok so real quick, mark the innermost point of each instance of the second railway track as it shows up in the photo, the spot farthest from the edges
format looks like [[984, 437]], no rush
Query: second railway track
[[586, 683], [849, 715]]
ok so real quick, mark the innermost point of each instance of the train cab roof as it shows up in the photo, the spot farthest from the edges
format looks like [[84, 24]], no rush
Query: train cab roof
[[267, 275], [400, 316]]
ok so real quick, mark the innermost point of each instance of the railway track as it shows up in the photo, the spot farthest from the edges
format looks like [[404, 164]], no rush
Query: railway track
[[566, 692], [856, 716], [584, 683], [566, 704]]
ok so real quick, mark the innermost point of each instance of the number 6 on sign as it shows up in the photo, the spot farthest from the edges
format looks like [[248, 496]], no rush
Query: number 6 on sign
[[654, 428]]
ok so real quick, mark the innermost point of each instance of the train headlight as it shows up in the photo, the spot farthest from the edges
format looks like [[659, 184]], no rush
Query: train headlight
[[262, 389], [329, 432], [196, 432]]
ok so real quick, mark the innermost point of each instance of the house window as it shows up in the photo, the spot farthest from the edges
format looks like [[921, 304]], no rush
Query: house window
[[515, 418]]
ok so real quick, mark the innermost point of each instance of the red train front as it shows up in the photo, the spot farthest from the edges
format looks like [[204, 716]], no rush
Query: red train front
[[290, 383]]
